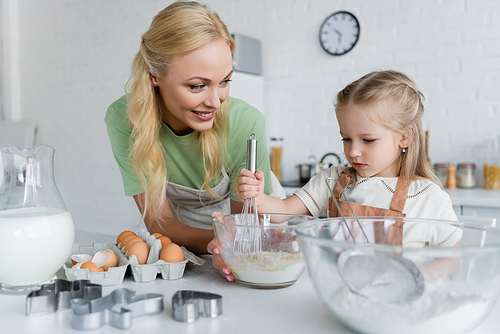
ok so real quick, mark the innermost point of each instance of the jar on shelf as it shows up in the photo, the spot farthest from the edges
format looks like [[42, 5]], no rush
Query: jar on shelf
[[451, 177], [466, 175], [275, 159], [441, 172], [491, 169], [491, 176]]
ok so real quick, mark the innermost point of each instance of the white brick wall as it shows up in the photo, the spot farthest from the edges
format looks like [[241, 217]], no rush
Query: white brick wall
[[75, 57]]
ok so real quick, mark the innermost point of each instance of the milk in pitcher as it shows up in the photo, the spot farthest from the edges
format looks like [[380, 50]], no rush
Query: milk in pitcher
[[34, 244]]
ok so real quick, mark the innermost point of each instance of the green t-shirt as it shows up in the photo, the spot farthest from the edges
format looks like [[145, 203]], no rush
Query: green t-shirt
[[183, 161]]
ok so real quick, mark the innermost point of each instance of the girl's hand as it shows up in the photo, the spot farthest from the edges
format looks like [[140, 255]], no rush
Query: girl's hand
[[249, 185], [214, 249]]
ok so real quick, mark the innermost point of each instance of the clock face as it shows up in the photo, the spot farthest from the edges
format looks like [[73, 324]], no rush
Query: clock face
[[339, 33]]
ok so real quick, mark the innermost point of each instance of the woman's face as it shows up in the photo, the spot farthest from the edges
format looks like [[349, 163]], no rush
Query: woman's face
[[196, 84], [369, 147]]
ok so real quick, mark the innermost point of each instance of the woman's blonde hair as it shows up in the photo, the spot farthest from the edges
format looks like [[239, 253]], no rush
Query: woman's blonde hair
[[405, 116], [181, 27]]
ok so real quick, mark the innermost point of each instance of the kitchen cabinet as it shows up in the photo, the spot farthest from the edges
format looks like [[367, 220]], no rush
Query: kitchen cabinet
[[476, 202], [480, 212]]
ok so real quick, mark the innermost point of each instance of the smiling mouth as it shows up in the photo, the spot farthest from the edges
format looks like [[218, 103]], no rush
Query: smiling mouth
[[203, 114]]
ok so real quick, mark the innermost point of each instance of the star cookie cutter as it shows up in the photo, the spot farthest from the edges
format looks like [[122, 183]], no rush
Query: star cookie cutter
[[188, 305], [57, 295], [116, 309]]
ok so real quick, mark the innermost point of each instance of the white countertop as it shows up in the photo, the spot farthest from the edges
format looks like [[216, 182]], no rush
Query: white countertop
[[295, 309]]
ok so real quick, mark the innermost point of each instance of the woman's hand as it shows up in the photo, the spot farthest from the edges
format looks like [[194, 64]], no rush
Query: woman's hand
[[214, 249], [249, 185], [194, 239]]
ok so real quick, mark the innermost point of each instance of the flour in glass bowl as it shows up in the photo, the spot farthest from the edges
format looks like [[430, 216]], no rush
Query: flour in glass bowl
[[436, 311], [268, 267]]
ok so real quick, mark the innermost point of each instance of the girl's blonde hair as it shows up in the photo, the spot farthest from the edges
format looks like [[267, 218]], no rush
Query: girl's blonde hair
[[406, 116], [181, 27]]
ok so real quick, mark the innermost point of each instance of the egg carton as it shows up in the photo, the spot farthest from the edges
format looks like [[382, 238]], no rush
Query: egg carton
[[112, 276], [169, 270]]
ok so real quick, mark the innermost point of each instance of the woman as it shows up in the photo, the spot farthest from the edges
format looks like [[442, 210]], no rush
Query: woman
[[177, 137]]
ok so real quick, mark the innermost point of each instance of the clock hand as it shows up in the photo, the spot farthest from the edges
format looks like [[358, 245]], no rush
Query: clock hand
[[338, 33]]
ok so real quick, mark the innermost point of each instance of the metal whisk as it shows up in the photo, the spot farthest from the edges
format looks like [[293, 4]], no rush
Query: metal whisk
[[350, 207], [248, 238]]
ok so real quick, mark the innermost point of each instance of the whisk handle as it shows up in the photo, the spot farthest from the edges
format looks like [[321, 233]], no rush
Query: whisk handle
[[252, 153]]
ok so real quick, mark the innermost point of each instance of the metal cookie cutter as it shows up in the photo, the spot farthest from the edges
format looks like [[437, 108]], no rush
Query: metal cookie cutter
[[188, 306], [56, 296], [116, 309]]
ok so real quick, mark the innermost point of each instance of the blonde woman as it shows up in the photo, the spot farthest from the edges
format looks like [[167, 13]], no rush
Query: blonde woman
[[178, 138]]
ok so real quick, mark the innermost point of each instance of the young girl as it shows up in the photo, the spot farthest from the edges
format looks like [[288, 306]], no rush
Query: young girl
[[379, 117]]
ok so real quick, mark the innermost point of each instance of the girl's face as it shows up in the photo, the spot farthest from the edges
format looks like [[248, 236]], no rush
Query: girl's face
[[196, 85], [369, 147]]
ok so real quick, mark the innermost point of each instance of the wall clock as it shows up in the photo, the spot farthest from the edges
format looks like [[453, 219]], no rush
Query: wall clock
[[339, 33]]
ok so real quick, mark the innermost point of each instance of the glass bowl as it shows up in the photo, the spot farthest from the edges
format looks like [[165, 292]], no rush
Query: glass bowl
[[266, 256], [381, 287]]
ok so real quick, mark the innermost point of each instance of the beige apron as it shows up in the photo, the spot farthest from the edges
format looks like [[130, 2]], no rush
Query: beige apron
[[394, 234], [186, 206]]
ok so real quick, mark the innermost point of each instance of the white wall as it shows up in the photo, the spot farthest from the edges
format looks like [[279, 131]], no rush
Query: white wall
[[10, 90], [75, 57]]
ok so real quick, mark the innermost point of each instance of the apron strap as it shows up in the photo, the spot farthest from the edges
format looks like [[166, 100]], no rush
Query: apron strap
[[345, 179], [391, 236], [400, 195]]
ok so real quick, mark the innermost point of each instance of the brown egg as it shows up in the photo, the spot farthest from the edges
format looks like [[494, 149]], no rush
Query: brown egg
[[131, 241], [105, 259], [123, 235], [140, 250], [164, 241], [124, 241], [91, 266], [157, 235], [172, 253]]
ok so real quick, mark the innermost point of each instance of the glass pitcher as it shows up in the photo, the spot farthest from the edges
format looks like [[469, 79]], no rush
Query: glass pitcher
[[36, 229]]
